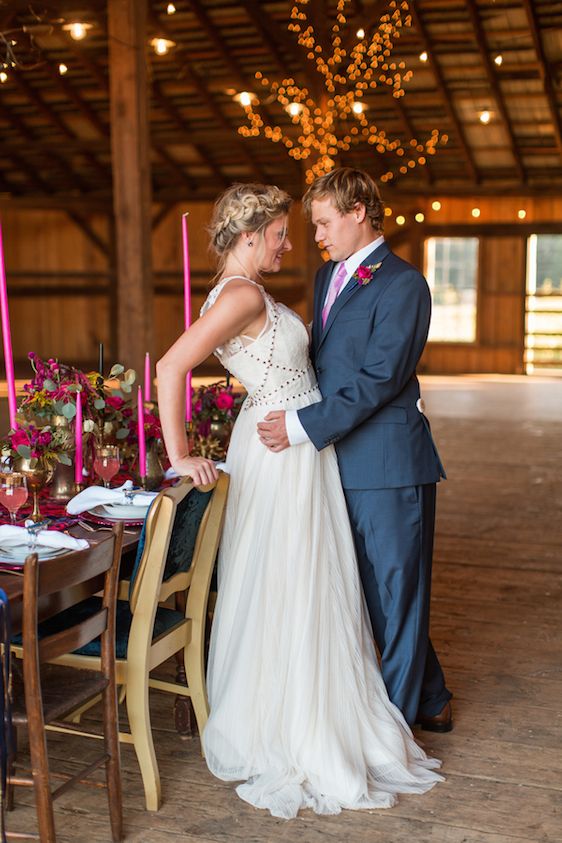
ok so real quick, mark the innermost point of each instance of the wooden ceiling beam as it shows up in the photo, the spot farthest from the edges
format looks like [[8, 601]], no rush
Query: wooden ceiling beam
[[82, 223], [545, 73], [270, 38], [208, 99], [480, 36], [187, 130], [425, 38], [54, 118]]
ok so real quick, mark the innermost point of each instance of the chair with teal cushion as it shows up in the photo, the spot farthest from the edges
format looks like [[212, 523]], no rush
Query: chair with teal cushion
[[175, 560]]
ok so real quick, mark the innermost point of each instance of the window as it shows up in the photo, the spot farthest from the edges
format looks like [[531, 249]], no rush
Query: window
[[452, 273], [543, 334]]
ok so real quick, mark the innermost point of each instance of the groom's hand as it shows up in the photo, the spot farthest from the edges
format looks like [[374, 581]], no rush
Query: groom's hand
[[273, 431]]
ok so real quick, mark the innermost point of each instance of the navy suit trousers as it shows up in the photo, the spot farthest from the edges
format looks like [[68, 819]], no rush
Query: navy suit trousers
[[393, 531]]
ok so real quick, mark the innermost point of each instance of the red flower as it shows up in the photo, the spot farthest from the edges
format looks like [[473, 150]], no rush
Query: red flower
[[114, 401], [224, 401], [19, 437]]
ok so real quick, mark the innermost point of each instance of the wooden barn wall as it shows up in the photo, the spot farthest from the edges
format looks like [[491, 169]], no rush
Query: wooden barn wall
[[62, 288]]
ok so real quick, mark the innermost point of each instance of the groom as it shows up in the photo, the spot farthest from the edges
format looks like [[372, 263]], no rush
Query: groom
[[371, 319]]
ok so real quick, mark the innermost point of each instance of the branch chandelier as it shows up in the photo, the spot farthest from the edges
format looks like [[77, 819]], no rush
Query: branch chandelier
[[333, 118]]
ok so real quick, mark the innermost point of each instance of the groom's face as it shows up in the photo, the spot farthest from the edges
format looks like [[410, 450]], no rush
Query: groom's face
[[339, 234]]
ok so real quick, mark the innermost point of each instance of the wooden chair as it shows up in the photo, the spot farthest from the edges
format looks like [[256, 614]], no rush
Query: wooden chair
[[42, 695], [181, 538]]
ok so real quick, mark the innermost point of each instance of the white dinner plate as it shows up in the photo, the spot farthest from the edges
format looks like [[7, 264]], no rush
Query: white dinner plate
[[120, 511], [20, 552]]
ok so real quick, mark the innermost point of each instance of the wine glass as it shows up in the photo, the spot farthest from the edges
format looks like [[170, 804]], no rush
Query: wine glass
[[13, 492], [106, 462]]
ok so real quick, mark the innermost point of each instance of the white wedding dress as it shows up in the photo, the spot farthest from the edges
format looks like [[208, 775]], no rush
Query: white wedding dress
[[299, 710]]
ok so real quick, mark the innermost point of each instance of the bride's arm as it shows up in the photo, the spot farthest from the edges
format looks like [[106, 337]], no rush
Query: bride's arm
[[236, 307]]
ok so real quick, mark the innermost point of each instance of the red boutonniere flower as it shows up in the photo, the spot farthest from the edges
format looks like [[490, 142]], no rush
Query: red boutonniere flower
[[364, 274]]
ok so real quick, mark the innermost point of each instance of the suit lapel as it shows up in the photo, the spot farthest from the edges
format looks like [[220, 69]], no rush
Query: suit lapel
[[325, 276], [350, 289]]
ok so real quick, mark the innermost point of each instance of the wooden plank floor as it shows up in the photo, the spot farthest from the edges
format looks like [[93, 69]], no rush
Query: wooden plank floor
[[496, 623]]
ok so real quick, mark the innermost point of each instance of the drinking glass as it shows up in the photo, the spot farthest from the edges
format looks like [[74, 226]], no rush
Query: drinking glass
[[106, 462], [13, 492]]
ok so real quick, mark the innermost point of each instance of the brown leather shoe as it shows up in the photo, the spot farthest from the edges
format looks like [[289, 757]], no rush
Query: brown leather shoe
[[442, 722]]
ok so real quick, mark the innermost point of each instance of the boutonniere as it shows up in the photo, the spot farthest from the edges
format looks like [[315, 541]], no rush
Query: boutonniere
[[364, 274]]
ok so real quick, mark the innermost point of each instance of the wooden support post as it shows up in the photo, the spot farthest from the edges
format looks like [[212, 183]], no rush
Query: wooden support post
[[131, 179]]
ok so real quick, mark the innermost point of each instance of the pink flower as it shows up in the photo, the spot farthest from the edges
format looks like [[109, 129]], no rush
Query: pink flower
[[364, 274], [114, 401], [224, 401], [197, 407], [19, 437]]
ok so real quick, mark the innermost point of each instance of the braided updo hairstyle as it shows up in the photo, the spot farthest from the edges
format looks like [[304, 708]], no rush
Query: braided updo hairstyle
[[245, 207]]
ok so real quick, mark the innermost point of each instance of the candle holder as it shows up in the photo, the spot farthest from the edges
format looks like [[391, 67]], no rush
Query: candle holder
[[38, 476]]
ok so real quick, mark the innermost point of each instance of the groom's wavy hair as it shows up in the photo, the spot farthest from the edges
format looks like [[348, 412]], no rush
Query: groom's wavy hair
[[347, 188]]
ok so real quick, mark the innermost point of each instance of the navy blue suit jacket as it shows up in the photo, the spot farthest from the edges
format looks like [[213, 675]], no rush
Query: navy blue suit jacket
[[365, 360]]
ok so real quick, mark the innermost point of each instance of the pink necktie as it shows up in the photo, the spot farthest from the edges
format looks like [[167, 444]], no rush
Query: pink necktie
[[335, 287]]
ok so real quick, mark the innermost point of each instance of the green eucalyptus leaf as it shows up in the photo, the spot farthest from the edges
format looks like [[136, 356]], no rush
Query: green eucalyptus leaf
[[99, 403], [122, 433], [58, 408], [126, 387], [130, 376], [24, 451], [116, 370], [74, 387], [88, 425], [69, 411], [50, 385], [65, 459], [117, 393]]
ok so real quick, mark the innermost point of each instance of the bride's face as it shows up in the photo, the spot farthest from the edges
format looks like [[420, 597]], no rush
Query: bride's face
[[274, 243]]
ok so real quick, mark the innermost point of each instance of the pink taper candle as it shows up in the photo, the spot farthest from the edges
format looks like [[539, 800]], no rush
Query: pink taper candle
[[78, 458], [147, 377], [142, 439], [7, 338], [187, 306]]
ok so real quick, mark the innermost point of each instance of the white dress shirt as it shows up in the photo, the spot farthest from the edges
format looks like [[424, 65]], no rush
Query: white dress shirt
[[295, 431]]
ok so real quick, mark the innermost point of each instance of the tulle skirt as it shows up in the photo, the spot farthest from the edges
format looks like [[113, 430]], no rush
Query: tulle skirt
[[299, 711]]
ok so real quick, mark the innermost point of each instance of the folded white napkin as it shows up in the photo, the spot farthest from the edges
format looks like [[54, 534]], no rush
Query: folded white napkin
[[15, 536], [96, 495]]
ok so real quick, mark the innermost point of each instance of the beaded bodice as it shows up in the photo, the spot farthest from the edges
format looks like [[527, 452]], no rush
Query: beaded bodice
[[274, 368]]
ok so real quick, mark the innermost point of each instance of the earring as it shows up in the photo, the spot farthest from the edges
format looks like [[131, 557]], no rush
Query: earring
[[250, 242]]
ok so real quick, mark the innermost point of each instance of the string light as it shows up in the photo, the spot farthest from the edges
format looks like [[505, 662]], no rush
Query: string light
[[424, 56], [475, 212], [436, 205], [400, 220], [321, 127], [171, 9], [3, 77], [498, 60], [522, 214], [485, 116], [77, 29], [62, 69], [388, 211], [419, 217], [162, 46], [245, 98]]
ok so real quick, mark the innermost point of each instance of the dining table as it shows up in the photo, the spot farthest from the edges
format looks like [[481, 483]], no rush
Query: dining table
[[11, 579]]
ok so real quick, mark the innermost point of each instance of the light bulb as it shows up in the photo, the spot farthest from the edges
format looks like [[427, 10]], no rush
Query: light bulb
[[162, 46], [294, 108], [498, 60], [62, 69], [245, 98], [358, 108], [360, 33], [419, 217], [475, 212], [485, 116], [424, 56], [522, 214], [400, 220], [436, 205], [171, 9], [3, 77], [77, 29]]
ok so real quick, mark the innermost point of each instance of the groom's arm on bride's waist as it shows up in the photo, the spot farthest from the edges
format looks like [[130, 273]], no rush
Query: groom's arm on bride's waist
[[392, 352]]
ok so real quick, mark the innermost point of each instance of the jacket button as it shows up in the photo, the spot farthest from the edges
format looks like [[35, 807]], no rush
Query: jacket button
[[420, 405]]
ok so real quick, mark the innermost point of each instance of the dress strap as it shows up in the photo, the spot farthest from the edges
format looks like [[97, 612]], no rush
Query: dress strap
[[218, 288]]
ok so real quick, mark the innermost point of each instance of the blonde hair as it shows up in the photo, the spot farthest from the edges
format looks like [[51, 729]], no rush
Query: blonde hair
[[245, 207], [347, 188]]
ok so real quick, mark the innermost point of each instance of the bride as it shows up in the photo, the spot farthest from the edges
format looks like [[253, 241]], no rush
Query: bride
[[299, 711]]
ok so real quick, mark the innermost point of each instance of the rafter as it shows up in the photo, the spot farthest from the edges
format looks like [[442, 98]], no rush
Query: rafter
[[545, 74], [442, 86], [83, 225], [494, 85]]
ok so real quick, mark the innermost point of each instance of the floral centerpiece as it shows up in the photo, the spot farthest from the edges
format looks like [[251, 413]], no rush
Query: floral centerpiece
[[52, 390], [215, 408], [35, 444]]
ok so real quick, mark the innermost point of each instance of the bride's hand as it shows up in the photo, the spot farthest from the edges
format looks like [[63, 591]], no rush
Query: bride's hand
[[202, 471]]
